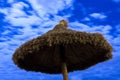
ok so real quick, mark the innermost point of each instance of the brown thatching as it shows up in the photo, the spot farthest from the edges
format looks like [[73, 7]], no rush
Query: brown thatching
[[79, 50]]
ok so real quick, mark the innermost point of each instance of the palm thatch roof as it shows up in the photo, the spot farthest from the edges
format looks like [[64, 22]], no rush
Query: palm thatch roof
[[79, 50]]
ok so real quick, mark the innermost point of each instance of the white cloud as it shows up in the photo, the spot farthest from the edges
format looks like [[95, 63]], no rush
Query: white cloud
[[17, 17], [86, 19], [98, 16], [5, 32], [43, 6], [105, 29], [23, 21], [117, 40], [95, 16], [10, 1], [15, 10], [117, 1], [5, 48], [4, 11]]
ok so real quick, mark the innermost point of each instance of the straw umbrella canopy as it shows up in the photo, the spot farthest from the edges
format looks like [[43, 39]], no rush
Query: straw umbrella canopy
[[62, 50]]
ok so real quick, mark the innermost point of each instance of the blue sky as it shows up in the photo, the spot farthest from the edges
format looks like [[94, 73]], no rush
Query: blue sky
[[21, 20]]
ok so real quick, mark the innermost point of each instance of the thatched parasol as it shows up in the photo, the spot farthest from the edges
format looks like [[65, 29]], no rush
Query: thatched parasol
[[62, 50]]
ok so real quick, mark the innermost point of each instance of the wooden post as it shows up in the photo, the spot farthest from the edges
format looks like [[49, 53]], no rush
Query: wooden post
[[64, 71], [63, 64]]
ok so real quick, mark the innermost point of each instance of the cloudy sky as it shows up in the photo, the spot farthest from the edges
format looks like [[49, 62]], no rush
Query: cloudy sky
[[21, 20]]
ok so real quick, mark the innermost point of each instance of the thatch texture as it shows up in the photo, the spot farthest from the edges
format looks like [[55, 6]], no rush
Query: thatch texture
[[81, 50]]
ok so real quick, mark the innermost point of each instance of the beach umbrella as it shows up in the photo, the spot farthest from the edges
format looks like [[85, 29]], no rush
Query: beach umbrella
[[62, 50]]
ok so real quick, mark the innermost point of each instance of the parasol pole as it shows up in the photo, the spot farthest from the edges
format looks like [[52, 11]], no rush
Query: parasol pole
[[64, 71], [63, 65]]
